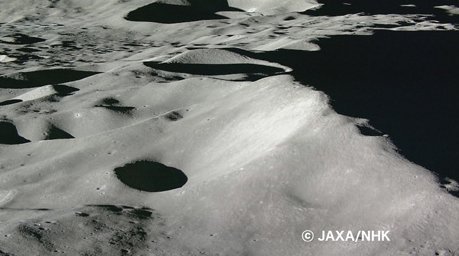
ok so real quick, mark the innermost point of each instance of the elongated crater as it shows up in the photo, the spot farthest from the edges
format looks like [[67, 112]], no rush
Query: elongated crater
[[150, 176]]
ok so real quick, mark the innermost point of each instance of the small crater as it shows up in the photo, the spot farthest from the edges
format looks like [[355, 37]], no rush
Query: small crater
[[39, 78], [55, 133], [81, 214], [9, 134], [109, 101], [28, 49], [443, 253], [63, 90], [174, 116], [21, 39], [114, 105], [9, 102], [119, 109], [141, 213], [290, 18], [150, 176], [109, 207]]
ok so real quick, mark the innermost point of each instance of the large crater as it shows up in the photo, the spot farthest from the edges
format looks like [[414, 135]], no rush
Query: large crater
[[150, 176]]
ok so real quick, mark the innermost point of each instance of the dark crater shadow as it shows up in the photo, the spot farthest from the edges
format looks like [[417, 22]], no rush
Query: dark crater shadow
[[170, 13], [109, 101], [405, 83], [28, 49], [9, 134], [252, 71], [425, 7], [55, 133], [22, 39], [137, 212], [64, 90], [42, 77], [150, 176], [114, 105], [25, 209], [118, 109], [9, 102], [174, 116]]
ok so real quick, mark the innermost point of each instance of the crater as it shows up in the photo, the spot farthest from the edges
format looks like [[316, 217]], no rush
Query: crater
[[114, 105], [229, 64], [55, 133], [9, 102], [174, 13], [250, 72], [150, 176], [174, 116], [38, 78], [21, 39], [9, 134]]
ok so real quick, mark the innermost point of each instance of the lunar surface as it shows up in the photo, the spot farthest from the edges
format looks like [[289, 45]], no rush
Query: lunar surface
[[229, 127]]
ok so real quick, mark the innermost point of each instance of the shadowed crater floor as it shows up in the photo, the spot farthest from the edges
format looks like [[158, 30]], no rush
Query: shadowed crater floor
[[55, 133], [150, 176], [173, 13], [9, 134], [21, 39], [42, 77], [252, 72], [9, 102]]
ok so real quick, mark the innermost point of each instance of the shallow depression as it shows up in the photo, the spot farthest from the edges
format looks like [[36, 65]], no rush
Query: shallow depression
[[150, 176]]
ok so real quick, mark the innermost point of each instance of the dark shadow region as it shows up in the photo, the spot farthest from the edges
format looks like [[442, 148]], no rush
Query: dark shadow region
[[24, 209], [55, 133], [405, 83], [64, 90], [9, 134], [174, 116], [137, 212], [114, 105], [171, 13], [118, 109], [150, 176], [21, 39], [424, 7], [253, 71], [43, 77], [10, 102]]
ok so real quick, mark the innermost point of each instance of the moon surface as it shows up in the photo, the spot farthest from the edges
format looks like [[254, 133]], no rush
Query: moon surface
[[193, 127]]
